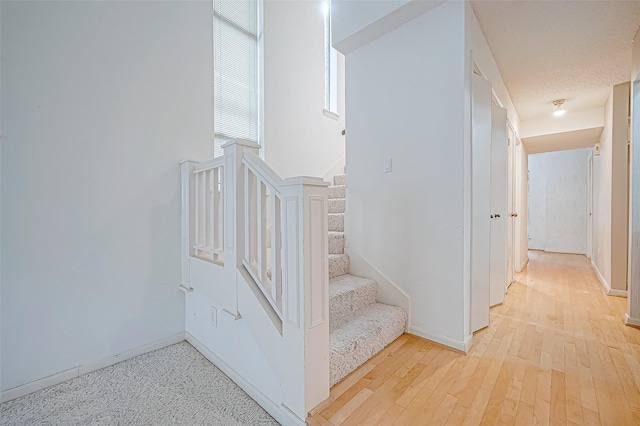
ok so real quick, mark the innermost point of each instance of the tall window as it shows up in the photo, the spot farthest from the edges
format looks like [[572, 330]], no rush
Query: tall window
[[330, 63], [236, 53]]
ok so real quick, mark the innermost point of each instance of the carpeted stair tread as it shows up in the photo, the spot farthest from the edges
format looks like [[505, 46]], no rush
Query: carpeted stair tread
[[337, 205], [340, 180], [361, 338], [336, 222], [337, 191], [348, 296], [336, 242], [338, 265]]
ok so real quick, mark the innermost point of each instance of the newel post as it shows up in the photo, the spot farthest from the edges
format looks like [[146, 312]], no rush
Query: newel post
[[187, 218], [306, 289], [234, 200]]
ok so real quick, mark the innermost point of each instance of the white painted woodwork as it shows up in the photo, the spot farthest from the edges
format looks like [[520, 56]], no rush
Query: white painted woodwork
[[480, 201], [501, 216], [633, 315], [273, 283], [389, 292], [511, 205], [209, 210], [590, 207]]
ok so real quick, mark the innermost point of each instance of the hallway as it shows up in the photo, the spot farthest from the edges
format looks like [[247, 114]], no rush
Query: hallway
[[556, 352]]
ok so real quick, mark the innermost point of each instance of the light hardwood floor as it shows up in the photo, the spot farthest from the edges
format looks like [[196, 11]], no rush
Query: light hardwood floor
[[556, 352]]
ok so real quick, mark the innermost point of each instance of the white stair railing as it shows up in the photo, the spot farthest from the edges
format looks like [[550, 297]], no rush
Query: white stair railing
[[270, 237], [263, 230], [209, 210]]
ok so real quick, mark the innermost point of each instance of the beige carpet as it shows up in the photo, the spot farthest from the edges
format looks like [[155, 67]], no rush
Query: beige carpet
[[171, 386]]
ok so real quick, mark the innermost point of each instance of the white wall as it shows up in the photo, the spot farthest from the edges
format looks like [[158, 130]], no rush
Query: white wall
[[558, 201], [299, 138], [538, 202], [610, 211], [633, 314], [351, 16], [619, 187], [358, 22], [483, 57], [522, 203], [602, 198], [409, 223], [100, 102]]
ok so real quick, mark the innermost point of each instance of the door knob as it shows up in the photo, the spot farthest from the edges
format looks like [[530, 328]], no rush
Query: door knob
[[514, 214], [497, 215]]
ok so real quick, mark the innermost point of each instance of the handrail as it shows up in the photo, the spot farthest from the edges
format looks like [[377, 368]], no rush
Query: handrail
[[209, 164], [259, 167], [263, 229]]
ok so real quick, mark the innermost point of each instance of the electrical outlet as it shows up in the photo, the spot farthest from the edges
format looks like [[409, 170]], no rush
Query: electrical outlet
[[214, 316]]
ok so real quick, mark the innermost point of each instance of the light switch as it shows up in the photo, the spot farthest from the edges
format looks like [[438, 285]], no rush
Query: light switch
[[388, 166]]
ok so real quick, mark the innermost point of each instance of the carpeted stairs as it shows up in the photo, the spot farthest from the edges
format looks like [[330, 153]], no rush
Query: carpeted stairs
[[359, 327]]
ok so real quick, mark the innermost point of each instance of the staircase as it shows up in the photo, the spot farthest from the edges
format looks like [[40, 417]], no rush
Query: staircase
[[359, 327]]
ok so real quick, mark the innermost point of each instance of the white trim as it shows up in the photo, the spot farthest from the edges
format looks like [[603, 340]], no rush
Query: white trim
[[524, 265], [467, 344], [617, 293], [460, 345], [281, 413], [74, 372], [388, 291], [605, 285], [631, 321], [331, 114]]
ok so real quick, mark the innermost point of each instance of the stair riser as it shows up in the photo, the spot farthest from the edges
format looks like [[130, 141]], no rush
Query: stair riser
[[346, 306], [336, 222], [340, 180], [337, 206], [350, 347], [336, 243], [337, 192], [338, 265]]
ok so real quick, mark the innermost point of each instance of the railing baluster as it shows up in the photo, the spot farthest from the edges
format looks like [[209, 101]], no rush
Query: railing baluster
[[215, 211], [276, 272], [209, 212], [260, 200], [197, 211]]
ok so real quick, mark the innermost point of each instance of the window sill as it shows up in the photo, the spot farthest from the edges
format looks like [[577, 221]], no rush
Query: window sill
[[331, 114]]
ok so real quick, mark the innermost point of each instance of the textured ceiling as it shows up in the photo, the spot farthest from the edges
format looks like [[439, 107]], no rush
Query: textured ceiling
[[547, 50]]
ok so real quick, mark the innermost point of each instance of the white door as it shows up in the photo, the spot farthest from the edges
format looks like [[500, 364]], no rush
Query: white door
[[500, 215], [589, 206], [510, 205], [480, 201]]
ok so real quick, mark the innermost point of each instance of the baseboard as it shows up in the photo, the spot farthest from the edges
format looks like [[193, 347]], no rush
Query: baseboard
[[336, 169], [524, 265], [281, 413], [631, 321], [617, 293], [467, 343], [458, 345], [72, 373], [605, 285], [388, 291]]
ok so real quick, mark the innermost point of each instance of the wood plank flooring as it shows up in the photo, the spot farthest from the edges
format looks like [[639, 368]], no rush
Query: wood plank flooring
[[556, 352]]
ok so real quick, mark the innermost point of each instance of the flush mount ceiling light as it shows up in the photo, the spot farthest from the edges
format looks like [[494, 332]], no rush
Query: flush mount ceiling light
[[559, 111]]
